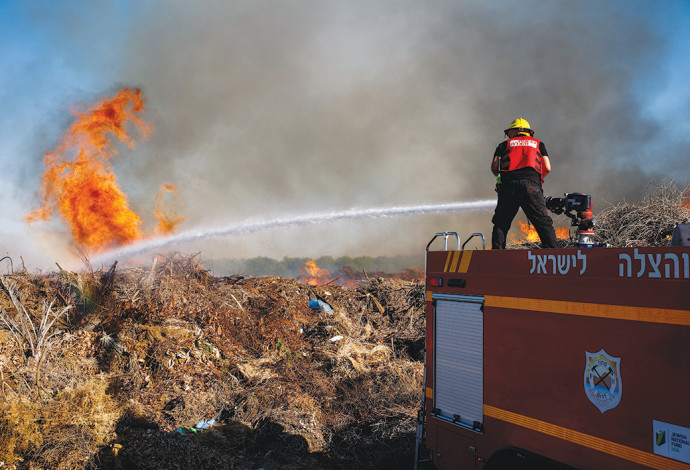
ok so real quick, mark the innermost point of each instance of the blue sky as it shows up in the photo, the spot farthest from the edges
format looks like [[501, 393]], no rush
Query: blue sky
[[668, 92], [262, 109]]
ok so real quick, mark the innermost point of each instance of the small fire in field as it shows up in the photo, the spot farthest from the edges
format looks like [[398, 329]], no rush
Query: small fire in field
[[166, 214], [79, 182], [410, 274], [528, 234], [313, 275]]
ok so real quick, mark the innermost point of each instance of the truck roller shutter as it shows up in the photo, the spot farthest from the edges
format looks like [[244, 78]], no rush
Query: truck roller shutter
[[458, 338]]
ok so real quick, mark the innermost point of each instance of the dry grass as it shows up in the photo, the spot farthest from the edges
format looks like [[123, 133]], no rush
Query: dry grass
[[64, 431], [145, 351]]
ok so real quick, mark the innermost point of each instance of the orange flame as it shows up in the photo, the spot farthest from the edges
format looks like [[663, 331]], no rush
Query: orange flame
[[167, 217], [313, 275], [562, 232], [410, 274], [528, 234], [79, 181]]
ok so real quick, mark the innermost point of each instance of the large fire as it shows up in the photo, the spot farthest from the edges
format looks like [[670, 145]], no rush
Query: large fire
[[528, 234], [79, 181]]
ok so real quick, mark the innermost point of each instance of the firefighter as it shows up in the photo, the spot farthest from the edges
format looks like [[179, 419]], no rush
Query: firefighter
[[520, 164]]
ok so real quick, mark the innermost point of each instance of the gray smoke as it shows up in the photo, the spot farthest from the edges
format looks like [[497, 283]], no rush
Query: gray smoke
[[262, 108]]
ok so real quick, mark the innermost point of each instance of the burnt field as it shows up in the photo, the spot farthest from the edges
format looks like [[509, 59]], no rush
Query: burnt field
[[170, 367]]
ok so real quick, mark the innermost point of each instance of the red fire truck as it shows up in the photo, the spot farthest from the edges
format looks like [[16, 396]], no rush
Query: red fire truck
[[560, 358]]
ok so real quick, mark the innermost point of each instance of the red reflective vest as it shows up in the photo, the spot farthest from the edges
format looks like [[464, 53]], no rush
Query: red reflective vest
[[522, 152]]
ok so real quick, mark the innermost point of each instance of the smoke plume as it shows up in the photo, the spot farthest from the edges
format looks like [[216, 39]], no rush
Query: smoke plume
[[264, 108]]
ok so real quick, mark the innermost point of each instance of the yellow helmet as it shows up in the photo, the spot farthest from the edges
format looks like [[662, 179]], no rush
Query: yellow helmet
[[521, 125]]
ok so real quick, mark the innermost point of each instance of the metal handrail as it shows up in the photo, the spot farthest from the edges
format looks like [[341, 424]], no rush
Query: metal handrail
[[445, 240], [472, 236]]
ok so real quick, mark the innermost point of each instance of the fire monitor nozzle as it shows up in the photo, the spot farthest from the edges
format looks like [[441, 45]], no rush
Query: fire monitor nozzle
[[577, 202], [578, 207]]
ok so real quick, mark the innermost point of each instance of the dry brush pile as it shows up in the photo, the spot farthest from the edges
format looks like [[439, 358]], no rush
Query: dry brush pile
[[100, 369], [648, 222]]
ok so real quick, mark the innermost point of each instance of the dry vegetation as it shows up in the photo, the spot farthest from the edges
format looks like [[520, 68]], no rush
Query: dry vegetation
[[649, 222], [99, 369]]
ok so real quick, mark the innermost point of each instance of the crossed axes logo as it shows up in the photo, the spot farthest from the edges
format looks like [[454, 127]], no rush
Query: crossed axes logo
[[602, 380]]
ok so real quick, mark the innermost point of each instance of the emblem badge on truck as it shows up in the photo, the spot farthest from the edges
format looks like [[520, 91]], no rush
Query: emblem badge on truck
[[603, 385]]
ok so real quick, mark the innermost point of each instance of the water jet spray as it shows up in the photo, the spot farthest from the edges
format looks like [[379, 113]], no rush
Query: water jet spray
[[200, 233]]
